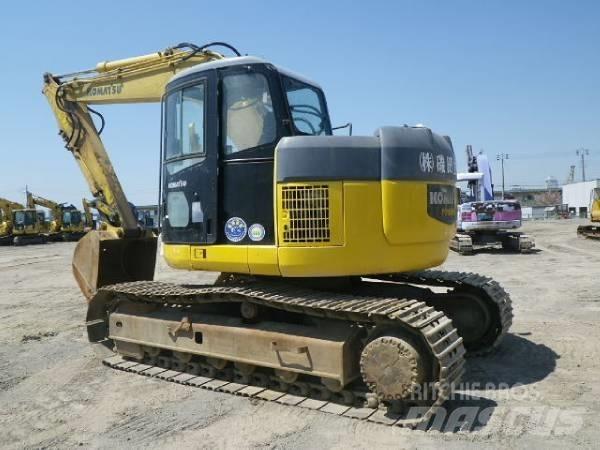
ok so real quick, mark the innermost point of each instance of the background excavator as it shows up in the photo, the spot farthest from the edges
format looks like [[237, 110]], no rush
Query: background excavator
[[320, 240], [484, 222], [67, 220], [592, 231], [20, 225], [6, 220]]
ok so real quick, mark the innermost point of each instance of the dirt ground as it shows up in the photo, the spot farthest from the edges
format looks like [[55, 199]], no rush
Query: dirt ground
[[543, 383]]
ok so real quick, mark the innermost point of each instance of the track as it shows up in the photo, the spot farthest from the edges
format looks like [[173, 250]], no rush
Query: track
[[435, 329], [589, 231], [488, 289]]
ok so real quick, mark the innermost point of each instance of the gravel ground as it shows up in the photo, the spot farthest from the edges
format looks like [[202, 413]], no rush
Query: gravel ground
[[539, 389]]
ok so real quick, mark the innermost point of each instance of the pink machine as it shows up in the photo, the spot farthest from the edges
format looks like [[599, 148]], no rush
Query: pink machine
[[483, 222]]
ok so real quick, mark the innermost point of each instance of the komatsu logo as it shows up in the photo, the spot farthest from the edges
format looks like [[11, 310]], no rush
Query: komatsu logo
[[441, 198], [442, 202], [111, 89], [177, 184]]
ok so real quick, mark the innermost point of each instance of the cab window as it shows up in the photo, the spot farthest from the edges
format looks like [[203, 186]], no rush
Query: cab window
[[307, 108], [248, 116], [184, 127]]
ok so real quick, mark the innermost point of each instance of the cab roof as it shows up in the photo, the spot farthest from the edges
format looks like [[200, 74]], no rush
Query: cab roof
[[238, 61]]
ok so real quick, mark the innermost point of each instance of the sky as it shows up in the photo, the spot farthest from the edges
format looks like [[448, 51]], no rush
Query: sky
[[513, 77]]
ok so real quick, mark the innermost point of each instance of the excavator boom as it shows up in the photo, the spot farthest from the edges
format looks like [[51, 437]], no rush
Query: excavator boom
[[140, 79], [104, 257]]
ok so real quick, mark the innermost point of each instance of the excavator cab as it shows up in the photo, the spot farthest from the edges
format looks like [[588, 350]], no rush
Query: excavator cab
[[254, 182], [27, 227], [222, 124]]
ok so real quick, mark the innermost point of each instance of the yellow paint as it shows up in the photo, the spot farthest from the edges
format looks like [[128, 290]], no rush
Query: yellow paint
[[375, 228], [595, 207]]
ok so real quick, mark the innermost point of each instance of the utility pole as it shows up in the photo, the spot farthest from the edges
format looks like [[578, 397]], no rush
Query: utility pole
[[582, 152], [501, 157]]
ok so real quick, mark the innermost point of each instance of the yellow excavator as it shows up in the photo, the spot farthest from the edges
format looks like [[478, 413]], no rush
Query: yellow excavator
[[6, 220], [67, 220], [20, 225], [322, 242], [592, 231]]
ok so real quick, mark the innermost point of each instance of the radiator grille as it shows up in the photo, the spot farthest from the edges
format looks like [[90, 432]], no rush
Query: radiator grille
[[308, 212]]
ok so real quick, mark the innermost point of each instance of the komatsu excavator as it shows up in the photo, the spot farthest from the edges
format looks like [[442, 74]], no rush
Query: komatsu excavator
[[20, 225], [321, 242], [67, 221], [6, 220], [592, 231]]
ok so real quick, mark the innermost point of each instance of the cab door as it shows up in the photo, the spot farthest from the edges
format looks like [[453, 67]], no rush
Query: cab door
[[189, 161]]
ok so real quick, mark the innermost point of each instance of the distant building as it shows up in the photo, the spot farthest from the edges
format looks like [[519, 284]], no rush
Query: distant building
[[548, 196], [577, 196]]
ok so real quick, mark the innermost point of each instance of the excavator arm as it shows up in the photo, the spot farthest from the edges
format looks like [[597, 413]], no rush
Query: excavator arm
[[87, 211], [57, 219], [140, 79], [103, 257]]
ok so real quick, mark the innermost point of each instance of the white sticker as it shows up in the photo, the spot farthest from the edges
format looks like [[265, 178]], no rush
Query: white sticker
[[256, 232]]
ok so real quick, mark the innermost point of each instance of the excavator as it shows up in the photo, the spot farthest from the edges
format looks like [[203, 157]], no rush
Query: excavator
[[592, 231], [6, 220], [67, 221], [20, 225], [322, 242], [484, 222]]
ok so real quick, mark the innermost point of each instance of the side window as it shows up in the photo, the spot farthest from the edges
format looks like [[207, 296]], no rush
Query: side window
[[185, 122], [248, 116], [184, 127], [178, 209], [307, 108]]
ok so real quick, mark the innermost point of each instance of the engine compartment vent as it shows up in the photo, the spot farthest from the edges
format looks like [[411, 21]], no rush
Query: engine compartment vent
[[307, 209]]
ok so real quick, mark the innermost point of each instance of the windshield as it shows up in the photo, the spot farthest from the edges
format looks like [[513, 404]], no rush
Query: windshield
[[248, 116], [25, 217], [71, 217], [307, 107]]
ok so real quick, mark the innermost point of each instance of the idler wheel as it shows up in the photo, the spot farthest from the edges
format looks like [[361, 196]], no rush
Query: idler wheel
[[392, 368]]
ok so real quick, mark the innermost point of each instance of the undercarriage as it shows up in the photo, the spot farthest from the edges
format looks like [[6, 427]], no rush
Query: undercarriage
[[26, 239], [371, 348], [589, 231], [467, 243]]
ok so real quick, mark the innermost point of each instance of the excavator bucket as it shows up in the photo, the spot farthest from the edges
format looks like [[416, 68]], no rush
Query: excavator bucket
[[102, 258]]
